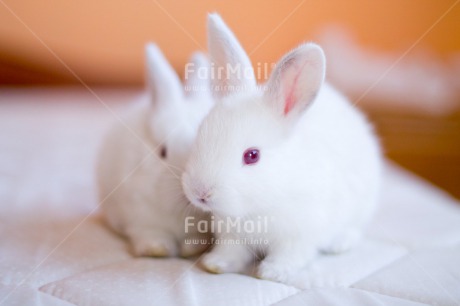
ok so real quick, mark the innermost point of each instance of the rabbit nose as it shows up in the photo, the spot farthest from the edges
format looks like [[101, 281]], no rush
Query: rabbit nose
[[204, 196]]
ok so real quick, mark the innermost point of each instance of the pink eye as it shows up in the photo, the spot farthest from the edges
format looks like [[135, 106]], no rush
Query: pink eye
[[251, 156]]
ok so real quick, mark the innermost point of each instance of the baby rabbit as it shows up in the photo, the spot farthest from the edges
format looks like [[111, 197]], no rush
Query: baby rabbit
[[143, 157], [293, 153]]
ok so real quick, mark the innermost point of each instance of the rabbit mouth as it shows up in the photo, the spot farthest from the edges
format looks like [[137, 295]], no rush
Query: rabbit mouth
[[203, 206], [198, 194]]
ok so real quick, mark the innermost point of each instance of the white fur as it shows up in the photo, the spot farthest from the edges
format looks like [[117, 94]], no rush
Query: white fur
[[318, 175], [140, 192]]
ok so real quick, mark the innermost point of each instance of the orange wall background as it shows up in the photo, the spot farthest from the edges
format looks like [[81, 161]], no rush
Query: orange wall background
[[103, 41]]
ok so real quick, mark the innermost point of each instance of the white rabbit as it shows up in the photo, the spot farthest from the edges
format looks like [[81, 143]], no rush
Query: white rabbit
[[294, 153], [143, 157]]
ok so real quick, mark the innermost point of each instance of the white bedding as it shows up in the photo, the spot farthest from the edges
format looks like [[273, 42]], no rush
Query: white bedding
[[54, 249]]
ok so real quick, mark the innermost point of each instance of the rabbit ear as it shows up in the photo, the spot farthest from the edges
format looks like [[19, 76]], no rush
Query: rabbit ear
[[231, 68], [197, 76], [162, 81], [296, 80]]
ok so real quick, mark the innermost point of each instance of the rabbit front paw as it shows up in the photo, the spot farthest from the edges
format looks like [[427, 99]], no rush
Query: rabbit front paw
[[342, 242], [154, 245], [275, 272], [216, 263], [228, 259]]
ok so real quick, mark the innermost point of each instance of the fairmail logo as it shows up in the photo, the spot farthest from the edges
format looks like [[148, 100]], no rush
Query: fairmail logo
[[260, 71], [258, 225]]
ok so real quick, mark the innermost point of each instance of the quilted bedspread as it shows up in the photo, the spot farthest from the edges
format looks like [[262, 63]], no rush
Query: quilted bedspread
[[55, 250]]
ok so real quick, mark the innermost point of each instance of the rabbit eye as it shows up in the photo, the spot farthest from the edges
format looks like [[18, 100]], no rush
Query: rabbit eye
[[251, 156], [163, 152]]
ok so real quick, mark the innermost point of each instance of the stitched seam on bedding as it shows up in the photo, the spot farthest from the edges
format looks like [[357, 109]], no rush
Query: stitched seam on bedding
[[57, 297], [408, 256], [83, 272], [393, 296]]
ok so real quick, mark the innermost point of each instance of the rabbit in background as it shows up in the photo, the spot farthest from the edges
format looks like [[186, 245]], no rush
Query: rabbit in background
[[294, 151], [142, 159]]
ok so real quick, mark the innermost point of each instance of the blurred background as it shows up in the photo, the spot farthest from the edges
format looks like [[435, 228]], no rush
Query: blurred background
[[397, 60]]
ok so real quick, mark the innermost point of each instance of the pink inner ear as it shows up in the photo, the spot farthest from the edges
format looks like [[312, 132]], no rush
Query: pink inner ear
[[290, 99]]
